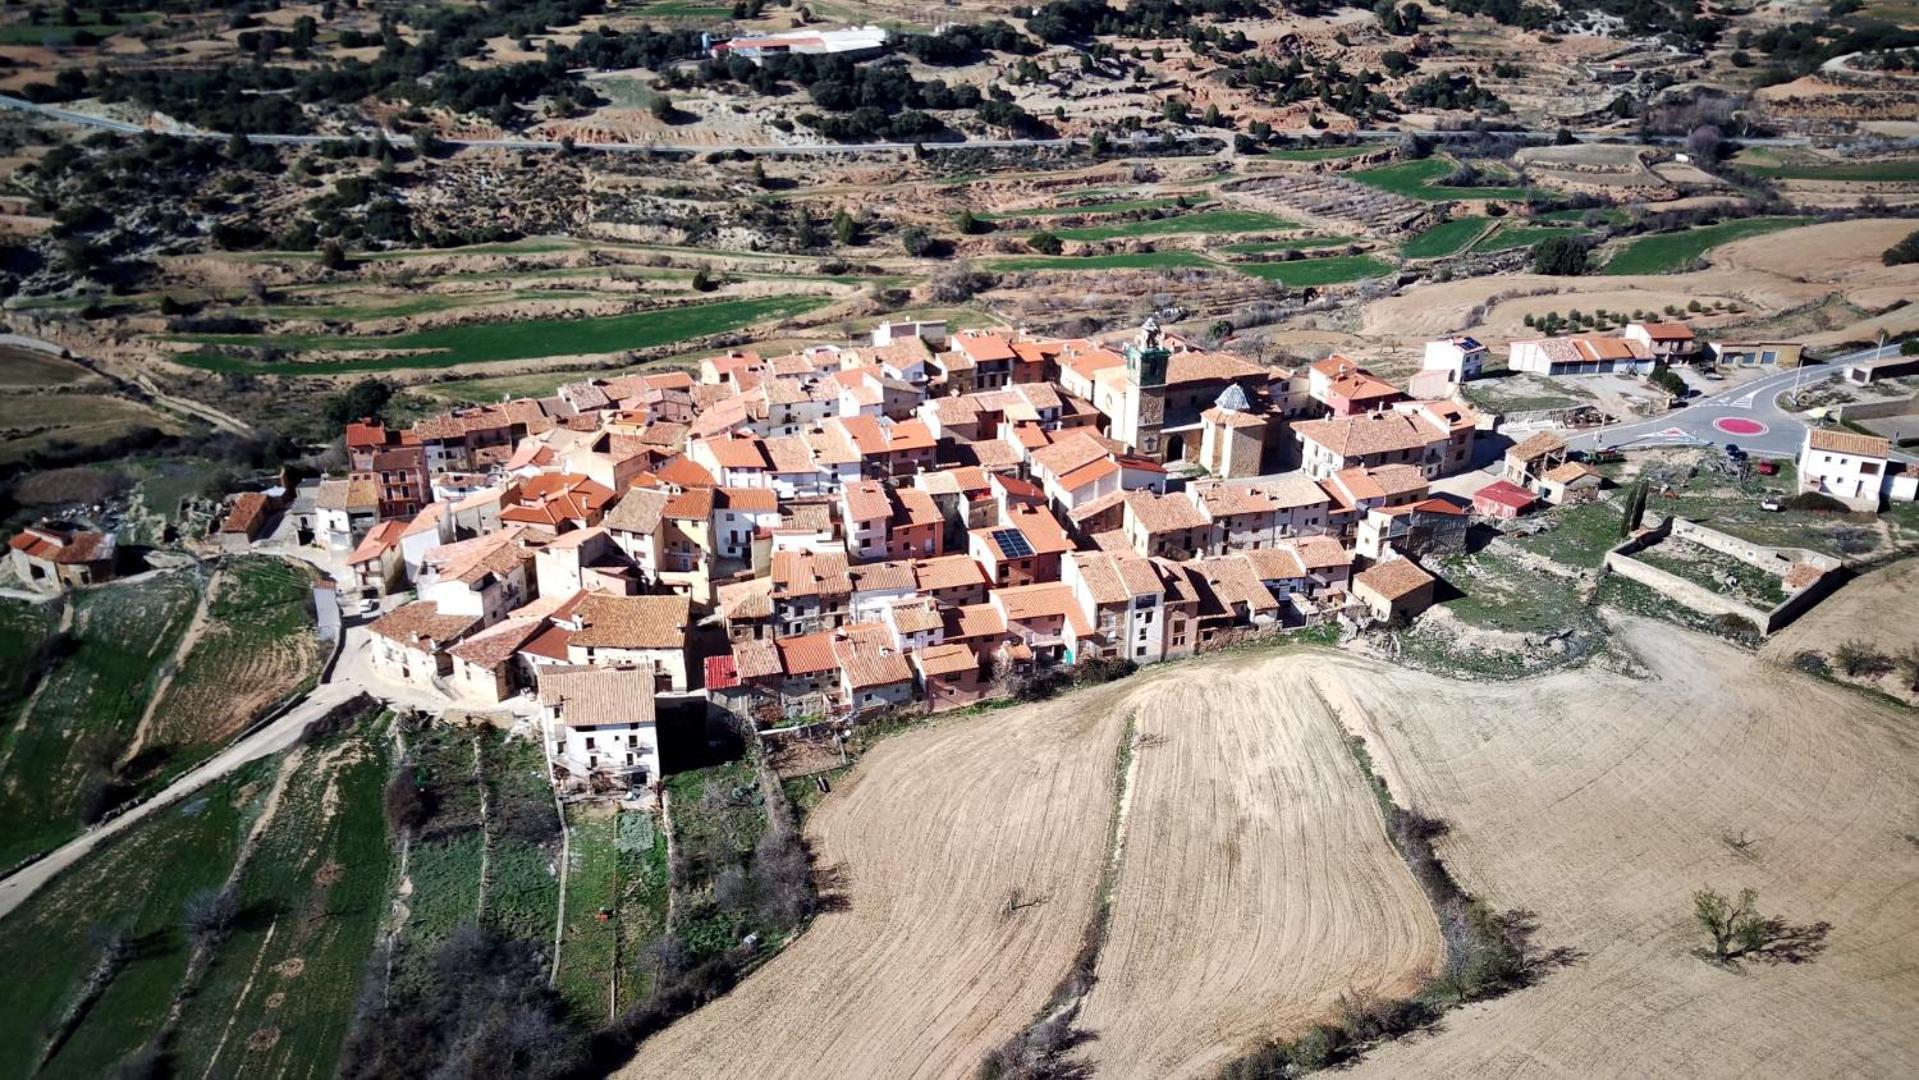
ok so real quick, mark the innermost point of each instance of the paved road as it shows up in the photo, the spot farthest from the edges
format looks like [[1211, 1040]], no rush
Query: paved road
[[71, 116], [1751, 402]]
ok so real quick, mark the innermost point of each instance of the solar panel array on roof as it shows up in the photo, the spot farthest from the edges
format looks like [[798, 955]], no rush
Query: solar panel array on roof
[[1012, 543]]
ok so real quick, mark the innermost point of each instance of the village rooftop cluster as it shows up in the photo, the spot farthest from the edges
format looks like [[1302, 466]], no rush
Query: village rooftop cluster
[[922, 522]]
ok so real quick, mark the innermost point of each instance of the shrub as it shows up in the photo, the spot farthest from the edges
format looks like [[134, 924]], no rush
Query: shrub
[[1562, 256], [1860, 660], [1045, 243], [1905, 251], [1815, 502]]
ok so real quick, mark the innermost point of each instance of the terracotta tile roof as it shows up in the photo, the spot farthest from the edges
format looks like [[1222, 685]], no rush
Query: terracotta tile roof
[[757, 659], [974, 621], [940, 660], [1291, 491], [474, 560], [882, 576], [1537, 445], [806, 654], [917, 508], [1070, 452], [593, 697], [1570, 471], [1397, 479], [748, 500], [956, 480], [1320, 552], [831, 445], [1193, 366], [1833, 441], [549, 643], [916, 616], [1392, 580], [498, 643], [631, 622], [1164, 513], [1233, 580], [865, 500], [420, 624], [428, 519], [868, 659], [741, 601], [1667, 331], [249, 509], [638, 511], [1372, 433], [1088, 473], [379, 540], [684, 472], [65, 547], [1022, 603], [1115, 579], [1043, 532], [695, 504], [790, 454], [1232, 500], [737, 453], [1093, 508], [982, 348], [947, 572], [1275, 564], [807, 573], [356, 492]]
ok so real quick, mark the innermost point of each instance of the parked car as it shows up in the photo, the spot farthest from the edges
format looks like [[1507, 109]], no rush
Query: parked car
[[1768, 468]]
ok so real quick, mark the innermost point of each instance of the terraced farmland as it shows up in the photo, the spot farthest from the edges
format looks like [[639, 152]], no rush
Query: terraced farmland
[[58, 762], [1205, 221], [1666, 253], [258, 647]]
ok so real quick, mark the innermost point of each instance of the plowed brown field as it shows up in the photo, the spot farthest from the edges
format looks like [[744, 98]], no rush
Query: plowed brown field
[[925, 968], [1601, 802], [1257, 884]]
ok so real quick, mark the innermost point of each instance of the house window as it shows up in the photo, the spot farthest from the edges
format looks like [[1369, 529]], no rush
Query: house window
[[589, 742]]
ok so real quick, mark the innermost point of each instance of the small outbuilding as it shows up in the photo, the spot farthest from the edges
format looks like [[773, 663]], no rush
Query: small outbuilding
[[1502, 500]]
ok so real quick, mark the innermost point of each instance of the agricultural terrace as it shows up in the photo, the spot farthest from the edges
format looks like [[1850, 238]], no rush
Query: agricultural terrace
[[1204, 221], [278, 996], [1330, 270], [32, 369], [1665, 253], [255, 649], [1507, 237], [1419, 180], [479, 343], [100, 952], [486, 850], [1445, 238], [1320, 153], [60, 763], [617, 887]]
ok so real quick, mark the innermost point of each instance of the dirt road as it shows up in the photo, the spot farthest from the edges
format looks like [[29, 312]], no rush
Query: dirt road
[[270, 739], [1257, 884], [925, 968]]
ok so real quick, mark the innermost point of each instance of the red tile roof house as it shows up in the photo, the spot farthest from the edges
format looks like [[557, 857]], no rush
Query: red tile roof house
[[949, 676], [1395, 591], [50, 557], [1025, 548], [1502, 500], [242, 524], [648, 632], [376, 564], [410, 643]]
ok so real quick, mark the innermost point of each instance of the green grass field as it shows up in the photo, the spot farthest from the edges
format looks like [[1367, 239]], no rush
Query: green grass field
[[1320, 153], [1205, 221], [132, 889], [1508, 237], [1141, 260], [67, 745], [1581, 536], [1901, 171], [1665, 253], [1301, 243], [589, 945], [1610, 215], [1332, 270], [645, 886], [28, 367], [1445, 238], [258, 647], [490, 342], [718, 816], [1417, 180], [23, 628], [279, 996]]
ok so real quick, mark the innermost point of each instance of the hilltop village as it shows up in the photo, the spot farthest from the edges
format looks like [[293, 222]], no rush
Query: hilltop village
[[924, 522]]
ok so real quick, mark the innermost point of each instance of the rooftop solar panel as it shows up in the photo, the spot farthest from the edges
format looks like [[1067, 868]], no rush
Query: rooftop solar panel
[[1012, 543]]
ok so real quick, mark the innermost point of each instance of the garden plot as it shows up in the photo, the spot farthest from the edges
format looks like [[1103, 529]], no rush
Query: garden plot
[[1333, 202]]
